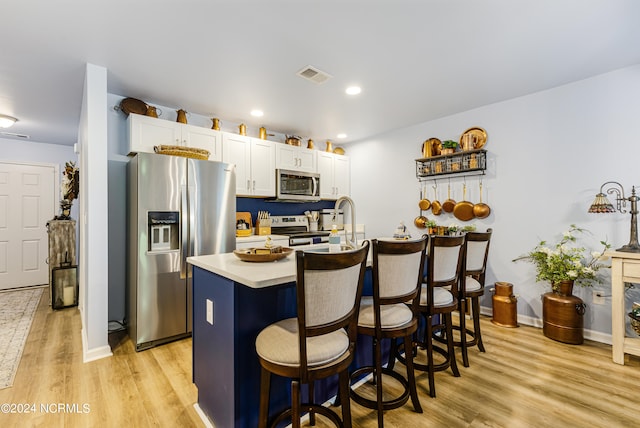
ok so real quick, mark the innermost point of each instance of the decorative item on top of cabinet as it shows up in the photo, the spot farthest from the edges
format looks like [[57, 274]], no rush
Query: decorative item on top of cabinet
[[152, 111], [329, 147], [310, 144], [182, 116], [242, 129], [263, 133], [216, 123]]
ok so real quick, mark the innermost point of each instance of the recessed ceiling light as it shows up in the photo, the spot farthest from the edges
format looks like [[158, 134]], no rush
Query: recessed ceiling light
[[353, 90], [7, 121], [342, 135], [257, 113]]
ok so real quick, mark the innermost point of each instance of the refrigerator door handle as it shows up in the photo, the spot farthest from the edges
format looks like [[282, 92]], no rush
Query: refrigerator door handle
[[193, 233], [184, 230]]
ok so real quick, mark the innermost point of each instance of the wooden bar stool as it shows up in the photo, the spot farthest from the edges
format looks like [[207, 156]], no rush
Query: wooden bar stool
[[445, 268], [391, 313], [473, 287], [320, 341]]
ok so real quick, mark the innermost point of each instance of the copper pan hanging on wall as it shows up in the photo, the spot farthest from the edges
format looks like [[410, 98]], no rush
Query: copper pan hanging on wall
[[463, 210], [481, 210]]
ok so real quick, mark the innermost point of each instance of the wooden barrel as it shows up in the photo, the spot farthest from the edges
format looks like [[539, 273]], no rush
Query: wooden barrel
[[563, 318]]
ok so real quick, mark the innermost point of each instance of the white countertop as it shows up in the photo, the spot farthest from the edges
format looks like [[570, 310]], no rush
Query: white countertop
[[254, 275], [260, 238], [257, 275]]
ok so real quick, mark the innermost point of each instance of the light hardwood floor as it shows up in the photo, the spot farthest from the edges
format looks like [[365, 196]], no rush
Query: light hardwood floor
[[523, 380]]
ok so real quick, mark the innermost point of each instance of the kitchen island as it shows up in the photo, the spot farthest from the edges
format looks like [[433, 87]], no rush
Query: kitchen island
[[232, 302]]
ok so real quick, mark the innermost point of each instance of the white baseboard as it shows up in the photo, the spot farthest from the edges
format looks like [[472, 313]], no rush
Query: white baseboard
[[207, 422], [596, 336], [95, 353]]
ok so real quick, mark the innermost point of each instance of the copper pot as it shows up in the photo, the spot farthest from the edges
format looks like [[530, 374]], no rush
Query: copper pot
[[293, 140], [436, 208], [424, 203], [481, 210], [182, 116], [449, 204], [420, 221], [151, 111], [463, 210]]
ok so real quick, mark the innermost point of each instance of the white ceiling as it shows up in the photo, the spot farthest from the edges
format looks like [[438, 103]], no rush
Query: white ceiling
[[415, 60]]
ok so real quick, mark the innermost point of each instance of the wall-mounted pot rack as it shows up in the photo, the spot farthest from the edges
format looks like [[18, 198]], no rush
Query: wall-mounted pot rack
[[469, 162]]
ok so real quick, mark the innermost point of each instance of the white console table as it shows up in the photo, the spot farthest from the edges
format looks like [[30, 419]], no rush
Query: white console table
[[625, 267]]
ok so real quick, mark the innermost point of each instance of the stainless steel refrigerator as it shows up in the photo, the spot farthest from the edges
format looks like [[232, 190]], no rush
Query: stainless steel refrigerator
[[177, 207]]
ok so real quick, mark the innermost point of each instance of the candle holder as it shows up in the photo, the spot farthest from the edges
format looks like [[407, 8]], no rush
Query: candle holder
[[64, 285], [601, 205]]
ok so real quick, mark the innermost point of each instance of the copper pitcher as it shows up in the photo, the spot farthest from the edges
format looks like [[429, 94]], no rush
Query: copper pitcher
[[329, 146], [182, 116], [152, 111]]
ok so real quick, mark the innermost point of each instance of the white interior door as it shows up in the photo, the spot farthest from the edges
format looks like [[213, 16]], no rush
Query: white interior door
[[26, 204]]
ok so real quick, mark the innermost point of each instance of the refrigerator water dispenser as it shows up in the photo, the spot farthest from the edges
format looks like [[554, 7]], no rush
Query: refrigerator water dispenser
[[163, 230]]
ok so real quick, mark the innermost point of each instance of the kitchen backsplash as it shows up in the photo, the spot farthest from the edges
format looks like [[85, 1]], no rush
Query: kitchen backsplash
[[253, 205]]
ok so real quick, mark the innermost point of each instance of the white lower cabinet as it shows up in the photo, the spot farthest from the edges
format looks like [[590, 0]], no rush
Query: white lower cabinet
[[255, 164], [335, 178], [146, 132]]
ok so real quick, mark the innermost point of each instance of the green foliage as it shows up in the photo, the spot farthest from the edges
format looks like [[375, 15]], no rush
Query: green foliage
[[566, 260]]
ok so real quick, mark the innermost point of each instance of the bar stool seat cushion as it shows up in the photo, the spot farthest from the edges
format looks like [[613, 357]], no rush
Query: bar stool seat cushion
[[278, 344], [391, 316], [472, 284], [441, 296]]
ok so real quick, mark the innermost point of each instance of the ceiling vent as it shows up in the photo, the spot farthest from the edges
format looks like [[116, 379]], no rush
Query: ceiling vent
[[13, 134], [314, 75]]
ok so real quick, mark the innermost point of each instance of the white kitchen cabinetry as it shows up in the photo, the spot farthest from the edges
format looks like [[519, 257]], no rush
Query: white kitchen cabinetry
[[335, 178], [146, 132], [295, 158], [255, 164]]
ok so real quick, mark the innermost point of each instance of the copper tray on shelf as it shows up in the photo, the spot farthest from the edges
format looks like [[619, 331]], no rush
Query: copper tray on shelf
[[479, 136]]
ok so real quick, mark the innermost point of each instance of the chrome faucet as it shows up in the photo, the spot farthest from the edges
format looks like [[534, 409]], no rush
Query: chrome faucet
[[353, 242]]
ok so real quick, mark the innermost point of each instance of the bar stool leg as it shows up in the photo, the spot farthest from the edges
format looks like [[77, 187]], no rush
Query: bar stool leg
[[428, 331], [475, 307], [378, 379], [265, 384], [411, 376], [343, 379], [312, 414], [448, 323], [295, 404], [463, 331]]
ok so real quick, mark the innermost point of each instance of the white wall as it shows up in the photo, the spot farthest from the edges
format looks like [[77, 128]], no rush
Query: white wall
[[549, 152]]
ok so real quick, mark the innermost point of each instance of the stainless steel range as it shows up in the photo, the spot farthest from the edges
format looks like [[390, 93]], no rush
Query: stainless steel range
[[296, 227]]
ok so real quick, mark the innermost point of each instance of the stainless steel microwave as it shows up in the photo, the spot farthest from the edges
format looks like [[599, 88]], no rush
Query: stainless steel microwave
[[297, 186]]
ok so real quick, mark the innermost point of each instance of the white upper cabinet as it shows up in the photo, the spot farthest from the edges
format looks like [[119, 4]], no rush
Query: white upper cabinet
[[295, 158], [146, 132], [335, 175], [255, 164]]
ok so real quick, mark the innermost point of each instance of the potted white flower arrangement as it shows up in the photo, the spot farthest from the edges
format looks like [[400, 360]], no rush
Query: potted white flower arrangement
[[566, 261]]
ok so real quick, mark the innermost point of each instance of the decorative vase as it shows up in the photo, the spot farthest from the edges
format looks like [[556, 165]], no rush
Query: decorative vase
[[563, 314], [65, 210]]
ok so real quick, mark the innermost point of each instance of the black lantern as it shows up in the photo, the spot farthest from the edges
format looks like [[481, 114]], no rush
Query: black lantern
[[64, 284]]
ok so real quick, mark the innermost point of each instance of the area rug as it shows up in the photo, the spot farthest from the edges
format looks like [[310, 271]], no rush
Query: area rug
[[16, 315]]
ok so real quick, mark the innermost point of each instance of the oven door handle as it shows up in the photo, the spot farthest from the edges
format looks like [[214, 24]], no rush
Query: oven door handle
[[315, 186]]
